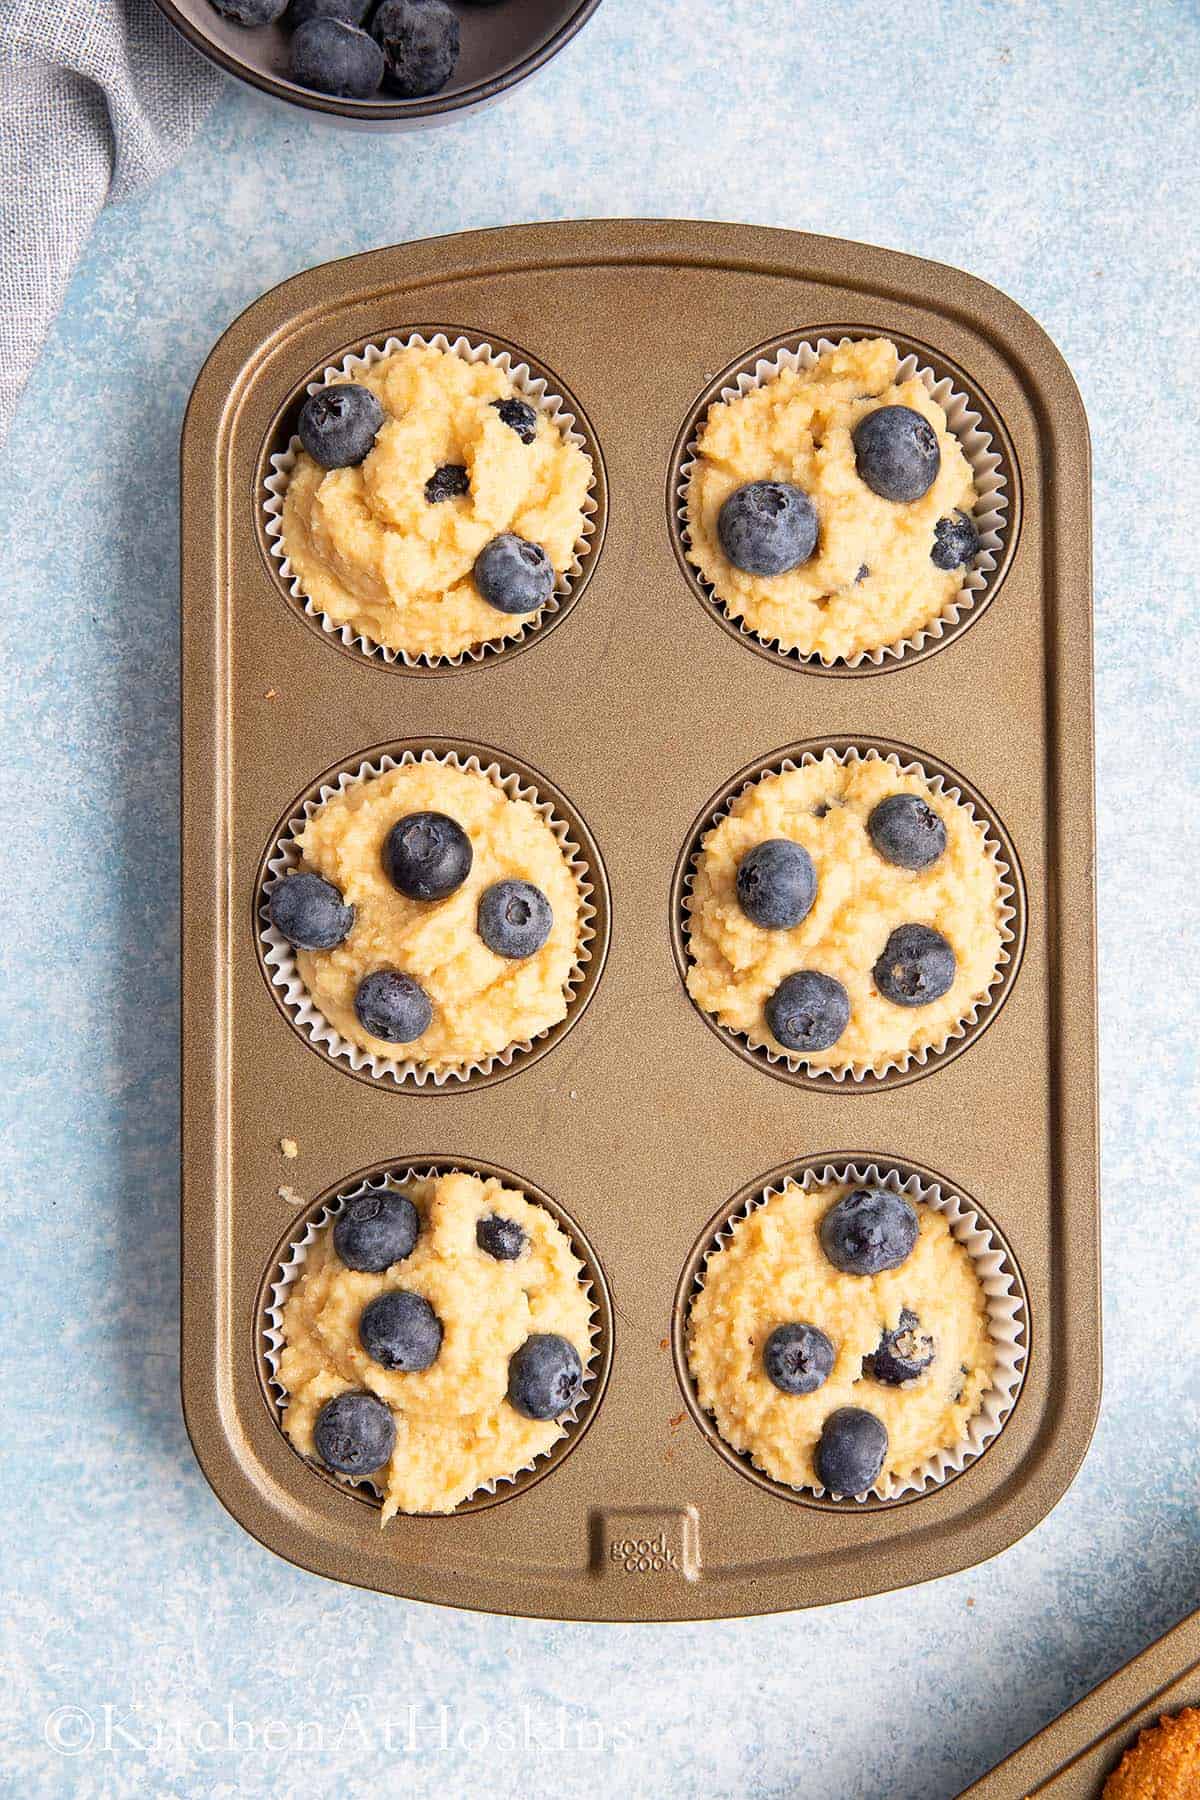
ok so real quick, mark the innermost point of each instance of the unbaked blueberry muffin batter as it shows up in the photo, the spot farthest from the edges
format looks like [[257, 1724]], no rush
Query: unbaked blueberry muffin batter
[[831, 509], [845, 914], [840, 1337], [434, 1340], [432, 509], [433, 917]]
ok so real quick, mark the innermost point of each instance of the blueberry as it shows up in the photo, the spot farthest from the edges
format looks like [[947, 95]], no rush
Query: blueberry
[[850, 1454], [917, 966], [897, 453], [868, 1231], [808, 1011], [376, 1230], [776, 884], [514, 575], [419, 39], [519, 416], [354, 1433], [767, 527], [515, 918], [447, 483], [545, 1376], [903, 1354], [906, 831], [427, 855], [350, 12], [955, 542], [798, 1358], [399, 1330], [502, 1238], [335, 58], [338, 424], [309, 912], [250, 12], [392, 1006]]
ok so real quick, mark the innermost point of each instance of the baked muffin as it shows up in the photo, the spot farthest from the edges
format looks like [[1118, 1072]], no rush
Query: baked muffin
[[432, 508], [1164, 1764], [831, 509], [434, 918], [840, 1338], [845, 914], [435, 1340]]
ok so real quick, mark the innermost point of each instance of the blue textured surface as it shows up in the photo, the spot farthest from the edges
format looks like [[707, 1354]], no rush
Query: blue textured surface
[[1049, 150]]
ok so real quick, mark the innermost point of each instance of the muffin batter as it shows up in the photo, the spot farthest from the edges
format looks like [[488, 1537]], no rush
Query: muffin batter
[[871, 582], [454, 1427], [373, 552], [772, 1269], [736, 966], [481, 1002]]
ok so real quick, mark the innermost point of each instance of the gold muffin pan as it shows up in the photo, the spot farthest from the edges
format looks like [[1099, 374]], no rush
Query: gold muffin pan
[[636, 721]]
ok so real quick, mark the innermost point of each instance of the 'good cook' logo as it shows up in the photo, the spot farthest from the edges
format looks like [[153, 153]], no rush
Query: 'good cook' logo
[[644, 1555]]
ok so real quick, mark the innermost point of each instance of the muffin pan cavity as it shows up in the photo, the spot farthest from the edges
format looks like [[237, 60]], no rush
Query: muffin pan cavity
[[627, 719]]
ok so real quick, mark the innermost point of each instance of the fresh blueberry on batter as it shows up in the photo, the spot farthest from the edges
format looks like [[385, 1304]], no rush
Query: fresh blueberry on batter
[[399, 1330], [515, 918], [447, 483], [545, 1376], [354, 1433], [869, 1230], [420, 42], [955, 541], [250, 12], [897, 454], [392, 1006], [519, 416], [376, 1230], [337, 424], [427, 855], [903, 1354], [768, 527], [334, 57], [514, 575], [309, 912], [808, 1011], [798, 1358], [502, 1238], [917, 966], [850, 1455], [906, 831], [776, 884]]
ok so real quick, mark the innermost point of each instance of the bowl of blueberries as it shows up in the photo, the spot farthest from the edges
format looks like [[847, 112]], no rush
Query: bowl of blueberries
[[380, 63]]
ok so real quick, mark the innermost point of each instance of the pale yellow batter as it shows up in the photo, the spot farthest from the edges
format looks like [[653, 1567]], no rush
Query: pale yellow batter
[[797, 427], [481, 1002], [736, 965], [454, 1427], [772, 1271], [372, 552]]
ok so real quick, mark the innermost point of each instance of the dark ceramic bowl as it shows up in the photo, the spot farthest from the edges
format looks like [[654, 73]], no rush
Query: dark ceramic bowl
[[501, 45]]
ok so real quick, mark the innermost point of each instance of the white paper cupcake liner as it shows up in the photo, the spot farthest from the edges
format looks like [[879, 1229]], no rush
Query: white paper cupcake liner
[[279, 957], [1007, 890], [529, 387], [292, 1265], [1007, 1324], [963, 421]]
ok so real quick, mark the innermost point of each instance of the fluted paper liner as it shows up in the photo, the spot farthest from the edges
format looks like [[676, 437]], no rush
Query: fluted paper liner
[[1007, 916], [279, 957], [290, 1268], [1007, 1327], [962, 420], [529, 387]]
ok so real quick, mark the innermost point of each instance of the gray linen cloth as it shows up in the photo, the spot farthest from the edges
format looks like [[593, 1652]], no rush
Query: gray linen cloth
[[97, 97]]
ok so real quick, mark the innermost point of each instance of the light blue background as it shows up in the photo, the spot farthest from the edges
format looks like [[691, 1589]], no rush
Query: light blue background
[[1051, 150]]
